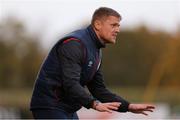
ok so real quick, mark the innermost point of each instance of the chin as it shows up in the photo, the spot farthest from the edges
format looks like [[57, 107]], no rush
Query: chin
[[110, 41], [113, 41]]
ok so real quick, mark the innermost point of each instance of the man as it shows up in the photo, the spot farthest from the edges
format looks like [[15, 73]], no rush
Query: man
[[75, 63]]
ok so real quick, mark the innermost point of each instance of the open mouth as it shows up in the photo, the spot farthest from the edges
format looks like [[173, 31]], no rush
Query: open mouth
[[114, 35]]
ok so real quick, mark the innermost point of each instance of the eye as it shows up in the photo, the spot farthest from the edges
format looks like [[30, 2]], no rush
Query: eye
[[115, 25]]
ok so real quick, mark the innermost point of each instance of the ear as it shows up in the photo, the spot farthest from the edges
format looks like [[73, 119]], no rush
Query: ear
[[97, 24]]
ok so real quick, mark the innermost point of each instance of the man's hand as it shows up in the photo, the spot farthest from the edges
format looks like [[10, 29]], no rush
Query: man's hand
[[141, 108], [106, 107]]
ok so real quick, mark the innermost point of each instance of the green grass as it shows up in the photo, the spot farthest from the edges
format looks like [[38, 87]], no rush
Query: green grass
[[15, 97], [20, 98]]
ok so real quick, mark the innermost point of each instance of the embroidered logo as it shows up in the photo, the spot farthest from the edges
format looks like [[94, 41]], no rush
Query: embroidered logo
[[90, 63]]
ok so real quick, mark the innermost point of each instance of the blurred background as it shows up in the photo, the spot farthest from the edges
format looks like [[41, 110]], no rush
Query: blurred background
[[143, 66]]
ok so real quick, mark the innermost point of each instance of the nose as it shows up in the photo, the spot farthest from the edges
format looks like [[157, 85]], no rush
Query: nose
[[117, 29]]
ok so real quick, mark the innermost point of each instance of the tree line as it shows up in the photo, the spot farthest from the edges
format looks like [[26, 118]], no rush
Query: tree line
[[139, 57]]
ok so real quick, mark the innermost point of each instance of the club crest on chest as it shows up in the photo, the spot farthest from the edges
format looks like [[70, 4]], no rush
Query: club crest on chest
[[90, 63]]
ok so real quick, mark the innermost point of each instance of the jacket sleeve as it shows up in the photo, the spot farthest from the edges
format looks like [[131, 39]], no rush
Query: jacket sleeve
[[100, 92], [71, 55]]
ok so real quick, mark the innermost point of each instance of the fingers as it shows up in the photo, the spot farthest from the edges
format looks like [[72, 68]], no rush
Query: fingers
[[141, 108], [112, 107], [108, 107], [115, 104], [150, 107], [149, 110], [144, 113], [104, 108], [108, 110]]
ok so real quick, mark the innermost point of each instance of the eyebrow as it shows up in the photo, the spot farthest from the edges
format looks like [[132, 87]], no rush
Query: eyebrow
[[115, 24]]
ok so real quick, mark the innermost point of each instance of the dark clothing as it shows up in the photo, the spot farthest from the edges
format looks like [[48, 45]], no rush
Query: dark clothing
[[53, 114], [72, 64]]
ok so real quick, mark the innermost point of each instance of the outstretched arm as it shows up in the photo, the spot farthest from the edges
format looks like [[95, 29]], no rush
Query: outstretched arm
[[117, 103], [100, 92]]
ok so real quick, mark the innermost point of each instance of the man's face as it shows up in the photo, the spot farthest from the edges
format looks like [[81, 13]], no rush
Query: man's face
[[108, 29]]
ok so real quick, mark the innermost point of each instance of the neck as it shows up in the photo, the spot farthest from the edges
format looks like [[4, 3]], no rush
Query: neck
[[97, 33]]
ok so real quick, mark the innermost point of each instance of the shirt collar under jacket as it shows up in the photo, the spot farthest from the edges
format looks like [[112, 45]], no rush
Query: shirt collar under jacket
[[95, 38]]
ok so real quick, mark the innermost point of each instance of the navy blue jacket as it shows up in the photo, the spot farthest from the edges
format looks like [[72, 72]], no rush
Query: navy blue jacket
[[71, 65]]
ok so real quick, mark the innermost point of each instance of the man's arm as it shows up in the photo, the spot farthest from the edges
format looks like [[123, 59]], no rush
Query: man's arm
[[99, 91], [70, 54]]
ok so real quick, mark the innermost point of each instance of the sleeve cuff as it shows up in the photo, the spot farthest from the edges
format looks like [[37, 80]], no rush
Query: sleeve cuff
[[124, 106], [90, 104]]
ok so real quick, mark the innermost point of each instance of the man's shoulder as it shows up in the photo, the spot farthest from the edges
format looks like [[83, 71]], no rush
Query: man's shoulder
[[71, 46]]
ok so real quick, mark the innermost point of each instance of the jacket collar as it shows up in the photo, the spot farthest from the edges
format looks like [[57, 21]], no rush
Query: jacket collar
[[94, 37]]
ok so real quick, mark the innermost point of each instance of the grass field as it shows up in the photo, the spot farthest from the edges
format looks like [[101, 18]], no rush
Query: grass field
[[20, 98]]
